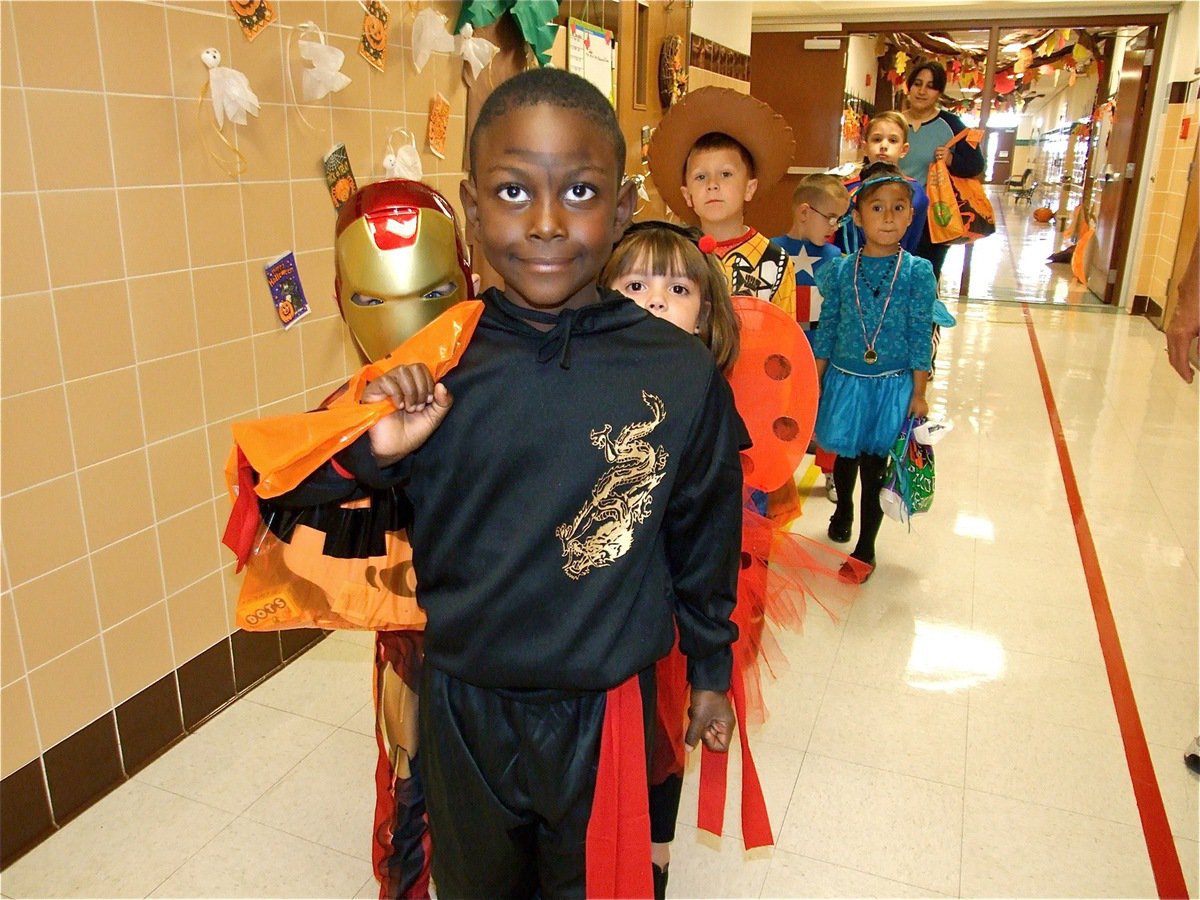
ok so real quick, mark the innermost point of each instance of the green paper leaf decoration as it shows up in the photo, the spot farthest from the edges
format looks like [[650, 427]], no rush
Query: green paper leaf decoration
[[532, 17]]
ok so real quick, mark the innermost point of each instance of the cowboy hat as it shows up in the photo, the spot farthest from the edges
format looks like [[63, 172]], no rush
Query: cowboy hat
[[762, 131]]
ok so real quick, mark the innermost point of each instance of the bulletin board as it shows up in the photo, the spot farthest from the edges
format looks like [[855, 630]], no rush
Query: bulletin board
[[592, 53]]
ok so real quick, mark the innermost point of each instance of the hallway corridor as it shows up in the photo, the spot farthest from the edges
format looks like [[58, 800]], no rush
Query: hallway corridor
[[955, 734], [1012, 263]]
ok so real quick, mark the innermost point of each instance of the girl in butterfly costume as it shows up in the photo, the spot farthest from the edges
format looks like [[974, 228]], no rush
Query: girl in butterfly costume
[[673, 273]]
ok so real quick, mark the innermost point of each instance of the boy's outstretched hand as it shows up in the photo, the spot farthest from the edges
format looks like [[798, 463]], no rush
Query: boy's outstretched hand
[[420, 407], [710, 719]]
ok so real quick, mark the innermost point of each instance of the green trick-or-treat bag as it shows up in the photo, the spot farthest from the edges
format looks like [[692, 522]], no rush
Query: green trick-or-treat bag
[[908, 485]]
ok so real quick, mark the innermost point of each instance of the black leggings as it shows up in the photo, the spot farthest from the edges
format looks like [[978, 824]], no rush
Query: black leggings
[[664, 808], [845, 474]]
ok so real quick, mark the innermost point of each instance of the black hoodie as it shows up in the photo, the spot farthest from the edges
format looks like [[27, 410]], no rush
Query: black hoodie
[[584, 487]]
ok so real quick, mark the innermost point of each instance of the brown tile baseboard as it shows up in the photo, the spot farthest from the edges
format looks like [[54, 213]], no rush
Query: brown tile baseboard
[[25, 817], [256, 654], [83, 768], [206, 683], [69, 777], [149, 722]]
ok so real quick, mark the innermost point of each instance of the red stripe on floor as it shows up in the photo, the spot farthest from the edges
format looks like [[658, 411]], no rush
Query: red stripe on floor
[[1164, 858]]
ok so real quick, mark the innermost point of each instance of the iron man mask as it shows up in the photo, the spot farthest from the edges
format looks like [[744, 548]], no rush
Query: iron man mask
[[399, 263]]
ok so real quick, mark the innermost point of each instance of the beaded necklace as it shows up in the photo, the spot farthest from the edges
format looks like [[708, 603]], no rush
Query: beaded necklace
[[871, 357]]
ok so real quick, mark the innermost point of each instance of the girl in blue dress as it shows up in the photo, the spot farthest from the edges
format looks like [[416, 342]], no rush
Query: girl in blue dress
[[873, 353]]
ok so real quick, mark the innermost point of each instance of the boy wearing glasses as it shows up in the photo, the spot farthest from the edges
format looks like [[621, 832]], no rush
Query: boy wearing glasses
[[818, 205]]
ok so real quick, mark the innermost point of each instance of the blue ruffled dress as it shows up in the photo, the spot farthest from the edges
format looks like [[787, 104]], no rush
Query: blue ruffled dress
[[863, 404]]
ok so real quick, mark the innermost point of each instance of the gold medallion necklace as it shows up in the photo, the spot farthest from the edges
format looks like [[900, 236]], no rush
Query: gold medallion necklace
[[871, 357]]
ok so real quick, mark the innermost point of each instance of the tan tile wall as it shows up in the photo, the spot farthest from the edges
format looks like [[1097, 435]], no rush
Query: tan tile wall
[[136, 325], [1169, 185]]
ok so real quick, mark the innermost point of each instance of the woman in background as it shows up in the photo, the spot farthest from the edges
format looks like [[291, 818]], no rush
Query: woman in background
[[929, 128]]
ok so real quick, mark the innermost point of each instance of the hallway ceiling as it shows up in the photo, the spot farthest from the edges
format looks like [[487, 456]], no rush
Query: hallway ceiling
[[818, 12]]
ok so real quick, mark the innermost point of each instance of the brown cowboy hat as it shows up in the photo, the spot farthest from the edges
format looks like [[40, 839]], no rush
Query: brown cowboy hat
[[750, 122]]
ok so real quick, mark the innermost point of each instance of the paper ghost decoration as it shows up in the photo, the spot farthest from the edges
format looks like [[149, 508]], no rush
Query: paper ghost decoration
[[325, 75], [230, 89], [405, 162], [476, 52], [430, 35]]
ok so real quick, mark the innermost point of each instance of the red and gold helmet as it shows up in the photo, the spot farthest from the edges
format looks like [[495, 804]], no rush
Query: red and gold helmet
[[399, 262]]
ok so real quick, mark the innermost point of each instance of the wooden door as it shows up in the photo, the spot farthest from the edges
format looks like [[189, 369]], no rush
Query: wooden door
[[641, 29], [999, 153], [807, 88], [1113, 188]]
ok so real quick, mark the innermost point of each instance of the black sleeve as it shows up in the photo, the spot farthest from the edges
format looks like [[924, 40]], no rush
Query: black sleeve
[[966, 161], [359, 472], [703, 533]]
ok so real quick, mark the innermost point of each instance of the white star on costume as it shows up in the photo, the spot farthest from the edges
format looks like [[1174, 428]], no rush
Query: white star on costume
[[803, 262]]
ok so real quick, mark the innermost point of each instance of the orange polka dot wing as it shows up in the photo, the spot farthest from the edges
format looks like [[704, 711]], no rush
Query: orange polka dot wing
[[775, 388]]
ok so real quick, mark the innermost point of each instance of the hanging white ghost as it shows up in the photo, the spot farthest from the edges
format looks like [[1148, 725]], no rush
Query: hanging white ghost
[[430, 35], [404, 162], [230, 89], [325, 75], [476, 52]]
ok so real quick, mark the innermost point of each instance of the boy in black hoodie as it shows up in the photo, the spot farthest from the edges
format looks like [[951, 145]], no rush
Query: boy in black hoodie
[[580, 501]]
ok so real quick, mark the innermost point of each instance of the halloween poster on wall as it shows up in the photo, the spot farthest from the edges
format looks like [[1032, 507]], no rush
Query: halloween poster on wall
[[253, 15], [283, 280], [373, 45], [339, 177]]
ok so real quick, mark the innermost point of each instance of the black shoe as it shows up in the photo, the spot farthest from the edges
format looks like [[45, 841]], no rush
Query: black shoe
[[660, 881], [1192, 756], [839, 530]]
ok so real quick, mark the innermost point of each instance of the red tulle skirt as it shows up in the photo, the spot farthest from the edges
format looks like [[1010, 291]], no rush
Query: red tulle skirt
[[782, 575]]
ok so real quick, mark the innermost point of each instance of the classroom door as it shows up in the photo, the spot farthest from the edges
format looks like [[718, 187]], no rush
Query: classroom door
[[805, 85], [1115, 185], [999, 154]]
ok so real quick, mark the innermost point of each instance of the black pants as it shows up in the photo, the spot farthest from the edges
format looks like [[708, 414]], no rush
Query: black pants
[[509, 778], [935, 253], [664, 808], [845, 473]]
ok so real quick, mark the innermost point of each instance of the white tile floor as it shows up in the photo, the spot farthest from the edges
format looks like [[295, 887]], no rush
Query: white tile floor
[[953, 735], [1011, 265]]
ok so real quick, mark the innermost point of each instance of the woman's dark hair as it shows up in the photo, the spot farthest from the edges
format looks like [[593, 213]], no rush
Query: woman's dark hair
[[937, 74]]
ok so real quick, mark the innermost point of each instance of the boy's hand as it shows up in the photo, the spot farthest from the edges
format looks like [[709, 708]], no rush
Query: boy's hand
[[420, 407], [710, 720], [918, 408]]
